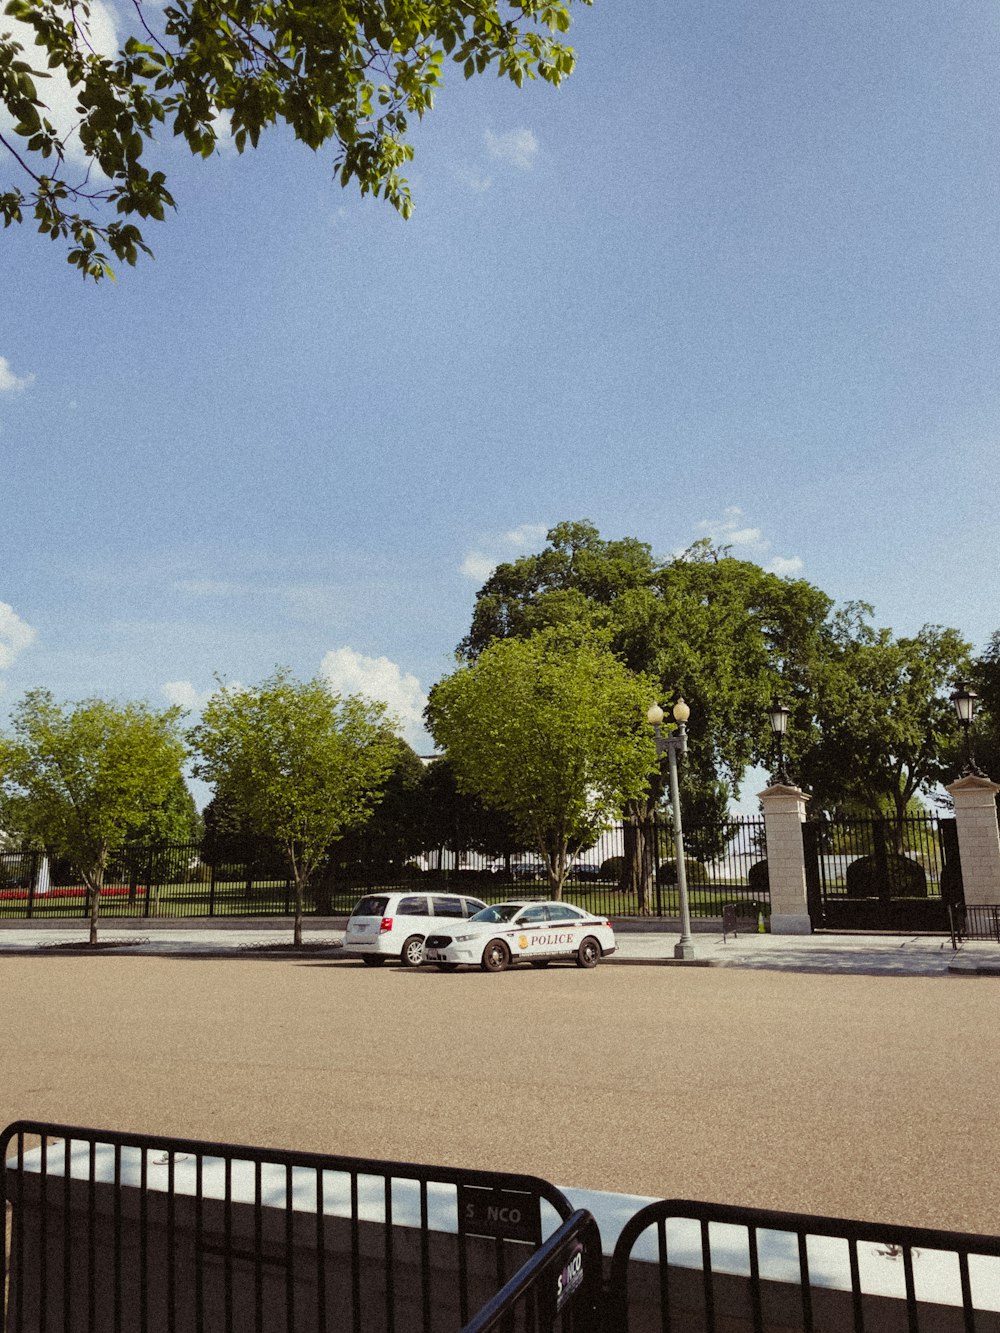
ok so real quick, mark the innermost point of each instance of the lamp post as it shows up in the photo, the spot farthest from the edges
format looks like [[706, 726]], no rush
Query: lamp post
[[964, 700], [673, 746], [778, 716]]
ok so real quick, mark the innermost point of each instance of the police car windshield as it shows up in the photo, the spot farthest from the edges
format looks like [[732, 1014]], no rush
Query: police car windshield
[[499, 912]]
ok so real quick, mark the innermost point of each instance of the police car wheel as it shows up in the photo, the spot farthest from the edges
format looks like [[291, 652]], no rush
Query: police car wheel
[[496, 957], [542, 962], [589, 953], [412, 954], [373, 959]]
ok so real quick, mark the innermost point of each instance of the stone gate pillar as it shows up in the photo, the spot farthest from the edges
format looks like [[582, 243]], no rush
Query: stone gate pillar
[[784, 814], [978, 837]]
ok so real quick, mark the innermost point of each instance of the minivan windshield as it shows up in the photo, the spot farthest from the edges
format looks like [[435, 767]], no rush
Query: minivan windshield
[[498, 912]]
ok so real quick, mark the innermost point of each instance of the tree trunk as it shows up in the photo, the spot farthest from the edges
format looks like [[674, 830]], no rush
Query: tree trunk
[[94, 886], [299, 896], [637, 871]]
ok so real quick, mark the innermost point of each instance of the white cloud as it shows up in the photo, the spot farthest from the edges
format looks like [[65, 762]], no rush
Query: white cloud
[[183, 693], [527, 536], [379, 678], [15, 635], [518, 148], [478, 565], [746, 542], [786, 565], [472, 180], [9, 382], [55, 91]]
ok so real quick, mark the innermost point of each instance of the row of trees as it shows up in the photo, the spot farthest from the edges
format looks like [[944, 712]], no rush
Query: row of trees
[[543, 724], [292, 760]]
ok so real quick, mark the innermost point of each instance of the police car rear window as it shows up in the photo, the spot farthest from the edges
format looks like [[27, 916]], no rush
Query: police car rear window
[[373, 906]]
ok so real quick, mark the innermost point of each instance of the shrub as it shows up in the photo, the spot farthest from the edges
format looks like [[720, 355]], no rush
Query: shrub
[[667, 872], [612, 869], [758, 879], [870, 877]]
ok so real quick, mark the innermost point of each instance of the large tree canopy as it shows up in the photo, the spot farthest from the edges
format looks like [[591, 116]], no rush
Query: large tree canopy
[[297, 763], [354, 73], [551, 730], [722, 632], [78, 778], [876, 725]]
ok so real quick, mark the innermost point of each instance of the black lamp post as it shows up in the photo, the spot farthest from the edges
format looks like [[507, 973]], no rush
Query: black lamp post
[[778, 716], [965, 700], [673, 746]]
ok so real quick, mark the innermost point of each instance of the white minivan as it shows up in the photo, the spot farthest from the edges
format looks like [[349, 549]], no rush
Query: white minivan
[[395, 925]]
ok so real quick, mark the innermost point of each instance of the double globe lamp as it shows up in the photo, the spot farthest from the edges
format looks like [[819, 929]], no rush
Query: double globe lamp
[[672, 746]]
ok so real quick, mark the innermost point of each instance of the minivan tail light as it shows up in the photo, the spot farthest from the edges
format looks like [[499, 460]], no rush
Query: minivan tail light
[[386, 925]]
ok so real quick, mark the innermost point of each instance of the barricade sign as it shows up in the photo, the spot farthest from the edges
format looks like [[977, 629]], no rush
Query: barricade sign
[[499, 1213]]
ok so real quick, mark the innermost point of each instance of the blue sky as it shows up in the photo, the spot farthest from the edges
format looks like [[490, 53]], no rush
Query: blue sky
[[739, 276]]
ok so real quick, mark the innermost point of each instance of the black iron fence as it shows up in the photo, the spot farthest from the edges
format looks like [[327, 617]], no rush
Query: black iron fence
[[882, 873], [680, 1266], [629, 871], [114, 1232]]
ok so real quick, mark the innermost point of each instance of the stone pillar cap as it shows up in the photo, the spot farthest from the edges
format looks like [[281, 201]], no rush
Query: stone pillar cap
[[974, 782], [782, 789]]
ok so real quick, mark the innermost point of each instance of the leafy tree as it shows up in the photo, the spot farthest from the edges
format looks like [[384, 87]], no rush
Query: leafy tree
[[299, 763], [175, 818], [722, 632], [354, 74], [77, 779], [985, 676], [882, 724], [457, 819], [552, 730], [393, 832]]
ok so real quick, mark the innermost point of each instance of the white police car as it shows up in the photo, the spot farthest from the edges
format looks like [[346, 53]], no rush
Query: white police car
[[508, 933]]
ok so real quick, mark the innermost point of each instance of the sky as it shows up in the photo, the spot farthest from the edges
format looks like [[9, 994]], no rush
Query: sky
[[738, 277]]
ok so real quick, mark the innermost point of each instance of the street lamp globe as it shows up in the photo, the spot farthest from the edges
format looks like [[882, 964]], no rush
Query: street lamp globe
[[654, 715], [964, 700], [779, 715], [681, 711]]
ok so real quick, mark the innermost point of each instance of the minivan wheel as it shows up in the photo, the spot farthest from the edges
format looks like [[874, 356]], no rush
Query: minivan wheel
[[373, 959], [589, 953], [412, 954], [496, 957]]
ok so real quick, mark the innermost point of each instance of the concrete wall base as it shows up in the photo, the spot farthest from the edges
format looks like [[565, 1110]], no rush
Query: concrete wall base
[[788, 923]]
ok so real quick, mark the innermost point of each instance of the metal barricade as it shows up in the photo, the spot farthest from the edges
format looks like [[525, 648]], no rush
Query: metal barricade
[[707, 1266], [560, 1286], [115, 1232]]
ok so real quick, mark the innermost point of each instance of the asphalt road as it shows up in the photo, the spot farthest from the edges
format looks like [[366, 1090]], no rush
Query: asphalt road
[[861, 1096]]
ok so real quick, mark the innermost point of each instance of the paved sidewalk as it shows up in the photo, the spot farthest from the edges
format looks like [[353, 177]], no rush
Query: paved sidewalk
[[638, 943]]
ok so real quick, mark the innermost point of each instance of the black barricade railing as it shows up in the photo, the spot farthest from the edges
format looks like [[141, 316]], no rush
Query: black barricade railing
[[113, 1232], [628, 872], [560, 1286], [975, 921], [707, 1266]]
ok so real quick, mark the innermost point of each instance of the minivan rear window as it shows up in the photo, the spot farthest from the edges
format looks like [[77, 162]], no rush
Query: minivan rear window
[[373, 906]]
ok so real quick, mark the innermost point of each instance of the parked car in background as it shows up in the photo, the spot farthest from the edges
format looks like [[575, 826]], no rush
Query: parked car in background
[[529, 868], [395, 925], [538, 933], [585, 872]]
